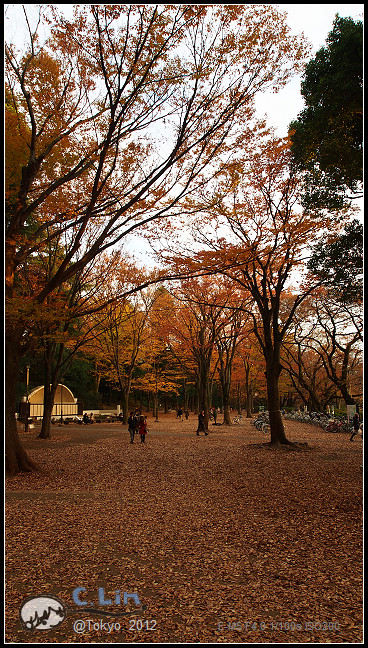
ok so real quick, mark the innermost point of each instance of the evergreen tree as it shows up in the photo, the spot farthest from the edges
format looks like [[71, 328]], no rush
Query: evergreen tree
[[339, 263], [327, 136]]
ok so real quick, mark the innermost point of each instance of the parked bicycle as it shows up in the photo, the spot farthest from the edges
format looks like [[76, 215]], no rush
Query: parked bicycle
[[262, 422]]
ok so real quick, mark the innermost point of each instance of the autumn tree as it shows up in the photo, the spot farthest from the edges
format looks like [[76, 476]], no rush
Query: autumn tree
[[160, 376], [303, 363], [166, 372], [337, 261], [229, 337], [127, 108], [336, 335], [195, 329], [250, 357], [60, 326], [171, 360], [267, 236], [122, 331], [307, 376], [59, 345], [64, 324]]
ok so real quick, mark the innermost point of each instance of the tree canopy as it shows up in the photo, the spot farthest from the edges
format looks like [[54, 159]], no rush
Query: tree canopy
[[327, 136], [338, 261], [128, 109]]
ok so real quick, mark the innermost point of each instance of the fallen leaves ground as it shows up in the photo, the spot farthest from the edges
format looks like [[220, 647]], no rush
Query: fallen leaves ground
[[223, 539]]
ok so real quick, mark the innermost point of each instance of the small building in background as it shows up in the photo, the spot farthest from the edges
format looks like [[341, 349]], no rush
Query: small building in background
[[64, 404]]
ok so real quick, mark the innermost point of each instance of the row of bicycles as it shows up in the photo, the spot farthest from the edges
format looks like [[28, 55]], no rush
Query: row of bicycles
[[320, 419]]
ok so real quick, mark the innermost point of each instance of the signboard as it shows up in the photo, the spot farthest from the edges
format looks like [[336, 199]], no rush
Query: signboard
[[351, 410]]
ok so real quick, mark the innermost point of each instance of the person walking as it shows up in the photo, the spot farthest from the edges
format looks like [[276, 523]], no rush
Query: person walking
[[180, 414], [214, 414], [132, 425], [143, 428], [201, 423], [356, 425]]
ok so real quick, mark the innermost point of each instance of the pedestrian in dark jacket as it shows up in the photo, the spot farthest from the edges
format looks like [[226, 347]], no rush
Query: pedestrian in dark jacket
[[356, 425], [201, 423], [132, 426]]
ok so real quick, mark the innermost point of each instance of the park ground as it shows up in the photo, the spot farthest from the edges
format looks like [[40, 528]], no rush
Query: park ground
[[223, 539]]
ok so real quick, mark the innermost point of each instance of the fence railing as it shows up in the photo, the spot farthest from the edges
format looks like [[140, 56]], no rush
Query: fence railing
[[68, 409]]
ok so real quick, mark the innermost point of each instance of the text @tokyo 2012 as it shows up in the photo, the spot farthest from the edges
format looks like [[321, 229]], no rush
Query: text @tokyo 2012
[[282, 626], [80, 626]]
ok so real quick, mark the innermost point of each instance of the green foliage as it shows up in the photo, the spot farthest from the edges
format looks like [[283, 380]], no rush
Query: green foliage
[[327, 137], [339, 263], [82, 382]]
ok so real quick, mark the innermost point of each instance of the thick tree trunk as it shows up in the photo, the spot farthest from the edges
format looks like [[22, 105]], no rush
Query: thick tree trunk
[[49, 391], [227, 417], [239, 399], [316, 404], [248, 390], [125, 404], [48, 404], [45, 432], [53, 359], [277, 427], [125, 387], [17, 459], [203, 392], [249, 402], [225, 381], [226, 400], [155, 405], [348, 398]]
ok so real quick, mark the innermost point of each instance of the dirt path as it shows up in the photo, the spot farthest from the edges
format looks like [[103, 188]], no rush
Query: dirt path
[[222, 540]]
